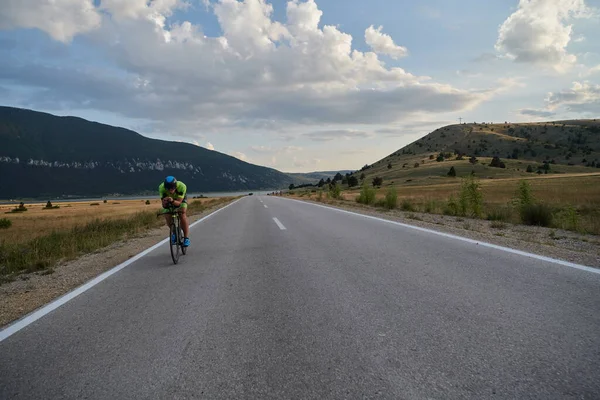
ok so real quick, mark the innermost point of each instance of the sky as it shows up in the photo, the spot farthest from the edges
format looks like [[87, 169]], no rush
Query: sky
[[301, 85]]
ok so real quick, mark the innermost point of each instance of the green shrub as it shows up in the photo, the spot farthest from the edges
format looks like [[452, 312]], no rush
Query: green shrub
[[335, 191], [391, 198], [470, 202], [568, 219], [452, 207], [367, 195], [147, 202], [498, 214], [5, 223], [407, 205], [536, 214]]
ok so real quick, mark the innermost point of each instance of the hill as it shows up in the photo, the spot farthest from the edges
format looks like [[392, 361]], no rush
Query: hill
[[314, 177], [548, 147], [43, 155]]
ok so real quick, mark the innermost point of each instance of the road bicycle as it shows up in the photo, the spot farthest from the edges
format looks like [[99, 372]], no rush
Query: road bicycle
[[175, 229]]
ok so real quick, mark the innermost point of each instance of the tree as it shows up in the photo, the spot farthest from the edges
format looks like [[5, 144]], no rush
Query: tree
[[452, 171], [338, 177], [352, 181], [328, 180], [291, 187], [377, 181], [440, 158], [529, 168], [321, 183], [389, 165], [473, 160], [496, 162], [48, 204], [362, 177]]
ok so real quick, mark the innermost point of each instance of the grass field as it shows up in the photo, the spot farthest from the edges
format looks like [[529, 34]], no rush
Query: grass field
[[560, 192], [39, 238]]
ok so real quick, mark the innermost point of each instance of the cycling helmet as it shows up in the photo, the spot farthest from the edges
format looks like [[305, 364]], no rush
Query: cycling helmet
[[170, 182]]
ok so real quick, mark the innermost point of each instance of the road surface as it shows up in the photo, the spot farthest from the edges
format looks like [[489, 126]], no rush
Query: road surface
[[278, 299]]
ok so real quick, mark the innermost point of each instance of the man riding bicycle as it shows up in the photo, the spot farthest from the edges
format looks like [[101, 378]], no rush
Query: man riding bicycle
[[174, 194]]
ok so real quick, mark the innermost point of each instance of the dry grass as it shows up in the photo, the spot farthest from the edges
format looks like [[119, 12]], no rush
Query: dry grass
[[68, 232], [37, 221], [580, 191]]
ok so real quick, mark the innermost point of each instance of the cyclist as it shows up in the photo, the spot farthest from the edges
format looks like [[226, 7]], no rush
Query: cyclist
[[174, 193]]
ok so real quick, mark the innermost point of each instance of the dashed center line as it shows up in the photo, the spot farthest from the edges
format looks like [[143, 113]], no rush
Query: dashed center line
[[265, 206], [279, 224]]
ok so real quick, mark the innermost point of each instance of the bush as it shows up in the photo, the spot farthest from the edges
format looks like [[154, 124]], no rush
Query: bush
[[536, 214], [94, 204], [353, 181], [5, 223], [391, 198], [48, 204], [105, 201], [367, 195], [498, 214], [407, 205], [147, 202], [497, 163], [567, 219], [377, 181], [451, 207], [471, 199], [452, 171], [529, 169], [497, 225], [335, 191]]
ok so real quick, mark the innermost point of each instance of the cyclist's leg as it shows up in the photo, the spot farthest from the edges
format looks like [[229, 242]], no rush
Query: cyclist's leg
[[184, 220]]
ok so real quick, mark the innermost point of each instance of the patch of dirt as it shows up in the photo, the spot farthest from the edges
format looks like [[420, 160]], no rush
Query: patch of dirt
[[31, 291], [556, 243]]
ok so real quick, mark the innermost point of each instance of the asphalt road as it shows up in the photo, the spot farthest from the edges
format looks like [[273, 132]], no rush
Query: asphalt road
[[317, 304]]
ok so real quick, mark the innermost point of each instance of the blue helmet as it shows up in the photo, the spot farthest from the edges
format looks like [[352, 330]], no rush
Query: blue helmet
[[170, 182]]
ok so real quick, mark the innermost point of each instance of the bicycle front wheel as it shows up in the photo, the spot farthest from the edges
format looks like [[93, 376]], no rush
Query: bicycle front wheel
[[174, 246]]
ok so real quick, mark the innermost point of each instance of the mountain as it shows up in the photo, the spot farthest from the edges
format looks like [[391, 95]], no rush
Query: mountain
[[315, 177], [566, 146], [43, 155]]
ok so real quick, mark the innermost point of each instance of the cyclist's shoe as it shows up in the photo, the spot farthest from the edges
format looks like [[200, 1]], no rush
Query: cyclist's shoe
[[173, 239], [186, 242]]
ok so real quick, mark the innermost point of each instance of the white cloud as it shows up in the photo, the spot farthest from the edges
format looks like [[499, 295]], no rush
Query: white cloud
[[240, 155], [209, 146], [61, 19], [538, 32], [326, 136], [583, 97], [530, 112], [383, 44], [259, 72]]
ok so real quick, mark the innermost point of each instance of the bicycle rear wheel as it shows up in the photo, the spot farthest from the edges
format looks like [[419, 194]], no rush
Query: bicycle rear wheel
[[174, 246]]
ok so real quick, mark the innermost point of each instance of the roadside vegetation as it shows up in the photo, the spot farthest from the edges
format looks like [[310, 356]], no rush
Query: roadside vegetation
[[28, 244], [567, 201]]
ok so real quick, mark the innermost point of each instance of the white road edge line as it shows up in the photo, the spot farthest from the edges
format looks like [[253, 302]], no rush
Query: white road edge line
[[16, 326], [279, 224], [448, 235]]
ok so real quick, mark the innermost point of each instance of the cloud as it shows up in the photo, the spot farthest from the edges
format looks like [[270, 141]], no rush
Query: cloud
[[259, 74], [326, 136], [486, 58], [209, 146], [583, 97], [263, 149], [536, 113], [61, 19], [538, 33], [240, 155], [383, 44]]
